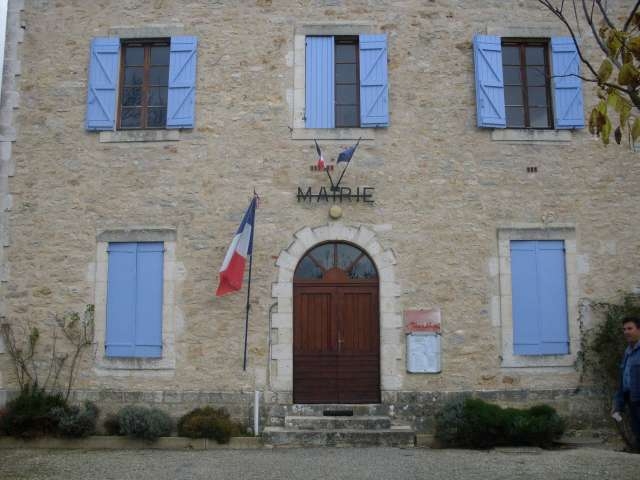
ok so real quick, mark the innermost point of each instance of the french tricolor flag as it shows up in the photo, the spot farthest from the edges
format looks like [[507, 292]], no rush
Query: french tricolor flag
[[232, 269]]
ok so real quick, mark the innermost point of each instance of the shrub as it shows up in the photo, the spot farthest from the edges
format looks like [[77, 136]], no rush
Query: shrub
[[209, 422], [143, 422], [478, 424], [75, 421], [112, 425], [29, 414], [602, 349]]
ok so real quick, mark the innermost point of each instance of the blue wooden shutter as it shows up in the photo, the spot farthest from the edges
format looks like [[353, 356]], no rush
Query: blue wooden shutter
[[539, 298], [553, 298], [374, 84], [148, 338], [104, 64], [319, 83], [487, 56], [121, 300], [567, 87], [182, 82]]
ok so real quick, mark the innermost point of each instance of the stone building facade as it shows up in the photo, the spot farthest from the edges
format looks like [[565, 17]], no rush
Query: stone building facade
[[449, 200]]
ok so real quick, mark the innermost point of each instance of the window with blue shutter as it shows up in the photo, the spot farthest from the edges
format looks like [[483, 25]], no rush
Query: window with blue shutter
[[182, 82], [134, 300], [539, 298], [104, 65], [487, 55], [319, 82], [569, 109], [374, 91], [346, 81], [139, 84], [529, 83]]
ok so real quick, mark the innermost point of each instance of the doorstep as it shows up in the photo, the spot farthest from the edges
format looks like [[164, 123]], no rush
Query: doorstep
[[105, 442]]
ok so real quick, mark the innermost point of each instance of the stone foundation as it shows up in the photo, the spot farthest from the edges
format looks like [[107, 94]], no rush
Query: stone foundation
[[582, 409]]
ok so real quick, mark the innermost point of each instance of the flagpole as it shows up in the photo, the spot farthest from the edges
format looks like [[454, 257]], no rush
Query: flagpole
[[246, 319], [345, 168]]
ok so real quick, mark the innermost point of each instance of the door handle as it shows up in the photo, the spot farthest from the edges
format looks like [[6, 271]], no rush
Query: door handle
[[340, 342]]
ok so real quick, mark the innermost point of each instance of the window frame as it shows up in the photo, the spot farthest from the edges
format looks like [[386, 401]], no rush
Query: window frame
[[146, 43], [501, 302], [301, 32], [347, 40], [171, 281], [522, 43]]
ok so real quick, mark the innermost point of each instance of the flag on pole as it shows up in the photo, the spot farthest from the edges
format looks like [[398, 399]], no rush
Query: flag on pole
[[347, 153], [232, 270], [320, 163]]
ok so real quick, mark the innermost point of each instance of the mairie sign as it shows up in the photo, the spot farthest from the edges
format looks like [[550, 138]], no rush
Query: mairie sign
[[336, 194]]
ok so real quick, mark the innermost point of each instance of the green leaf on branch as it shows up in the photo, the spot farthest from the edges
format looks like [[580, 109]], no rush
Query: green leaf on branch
[[593, 122], [615, 42], [617, 134], [605, 70], [606, 131], [635, 130], [621, 105], [633, 45], [628, 75]]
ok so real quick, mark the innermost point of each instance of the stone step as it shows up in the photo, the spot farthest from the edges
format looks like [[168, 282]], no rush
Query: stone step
[[368, 422], [318, 409], [285, 437]]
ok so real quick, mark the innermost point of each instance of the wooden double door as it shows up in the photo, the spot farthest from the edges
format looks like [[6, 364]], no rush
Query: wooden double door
[[336, 342]]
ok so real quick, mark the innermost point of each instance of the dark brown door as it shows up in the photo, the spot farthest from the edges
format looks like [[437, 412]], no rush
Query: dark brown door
[[336, 341]]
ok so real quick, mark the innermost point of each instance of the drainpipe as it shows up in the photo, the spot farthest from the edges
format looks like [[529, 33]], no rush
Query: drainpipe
[[256, 413], [273, 305]]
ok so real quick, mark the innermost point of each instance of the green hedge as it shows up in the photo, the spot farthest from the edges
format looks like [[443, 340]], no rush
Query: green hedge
[[36, 412], [477, 424], [209, 422]]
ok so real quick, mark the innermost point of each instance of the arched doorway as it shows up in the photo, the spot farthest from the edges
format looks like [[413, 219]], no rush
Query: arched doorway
[[336, 333]]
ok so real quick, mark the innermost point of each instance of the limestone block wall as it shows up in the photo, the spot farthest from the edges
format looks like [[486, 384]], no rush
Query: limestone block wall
[[444, 189]]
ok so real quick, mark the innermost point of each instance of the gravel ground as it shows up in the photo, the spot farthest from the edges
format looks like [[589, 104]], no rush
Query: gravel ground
[[319, 463]]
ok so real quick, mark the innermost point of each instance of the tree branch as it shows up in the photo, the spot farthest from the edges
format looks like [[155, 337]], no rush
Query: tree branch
[[603, 11], [562, 18], [633, 12], [596, 35]]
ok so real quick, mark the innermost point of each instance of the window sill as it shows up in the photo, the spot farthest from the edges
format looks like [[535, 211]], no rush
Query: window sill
[[121, 136], [533, 361], [530, 136], [114, 363], [333, 134]]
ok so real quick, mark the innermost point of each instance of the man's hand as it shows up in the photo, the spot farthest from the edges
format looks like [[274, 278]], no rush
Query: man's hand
[[616, 416]]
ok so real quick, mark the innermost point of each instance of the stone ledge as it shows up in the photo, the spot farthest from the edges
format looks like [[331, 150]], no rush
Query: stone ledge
[[336, 28], [98, 442], [138, 234], [530, 136], [333, 134], [148, 31], [122, 136]]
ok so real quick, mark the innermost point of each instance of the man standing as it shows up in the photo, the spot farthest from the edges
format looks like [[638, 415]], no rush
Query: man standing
[[629, 391]]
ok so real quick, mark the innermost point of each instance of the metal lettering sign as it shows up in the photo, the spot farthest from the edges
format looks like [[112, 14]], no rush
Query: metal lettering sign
[[339, 194], [335, 193]]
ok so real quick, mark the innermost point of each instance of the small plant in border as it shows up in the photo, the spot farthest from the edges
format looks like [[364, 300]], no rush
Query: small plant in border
[[145, 423], [209, 422]]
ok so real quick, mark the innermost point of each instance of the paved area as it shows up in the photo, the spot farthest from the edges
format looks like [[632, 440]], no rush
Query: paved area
[[324, 464]]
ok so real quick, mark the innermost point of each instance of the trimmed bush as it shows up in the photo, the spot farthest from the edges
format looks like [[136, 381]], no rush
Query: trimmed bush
[[209, 422], [111, 424], [75, 421], [143, 422], [29, 415], [478, 424]]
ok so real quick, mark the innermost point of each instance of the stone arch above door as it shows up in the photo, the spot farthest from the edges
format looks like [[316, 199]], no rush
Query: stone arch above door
[[391, 337]]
